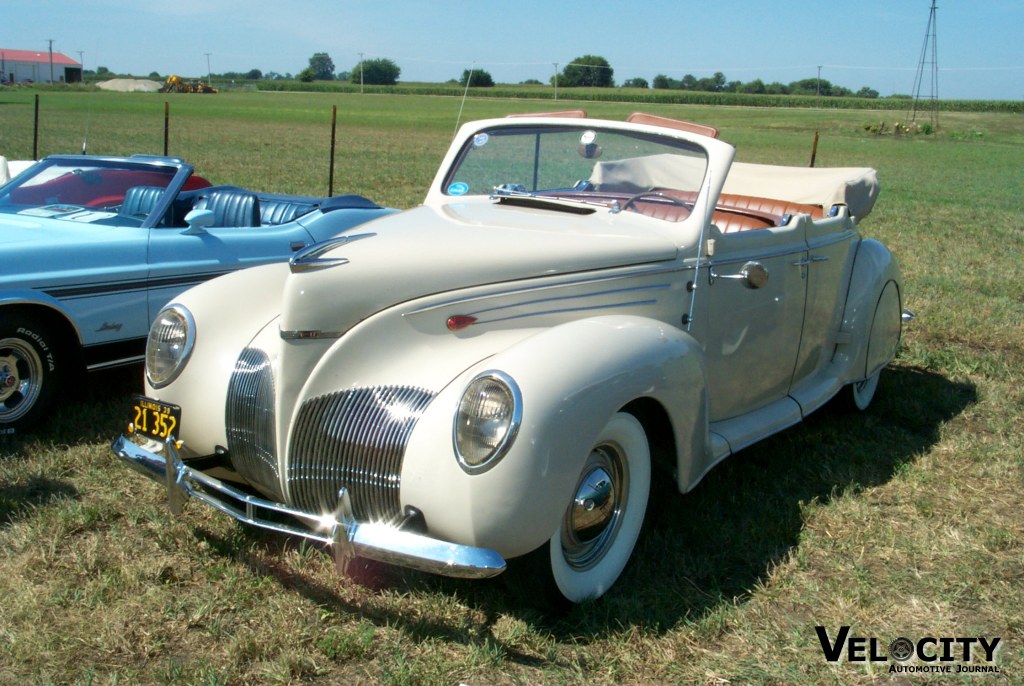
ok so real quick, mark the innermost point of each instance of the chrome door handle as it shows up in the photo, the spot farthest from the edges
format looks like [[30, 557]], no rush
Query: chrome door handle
[[753, 275]]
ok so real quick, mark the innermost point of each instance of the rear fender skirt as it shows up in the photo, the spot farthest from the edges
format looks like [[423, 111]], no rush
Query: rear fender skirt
[[874, 287]]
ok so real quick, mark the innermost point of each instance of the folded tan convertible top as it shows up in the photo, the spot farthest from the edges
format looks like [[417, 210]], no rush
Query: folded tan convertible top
[[857, 187]]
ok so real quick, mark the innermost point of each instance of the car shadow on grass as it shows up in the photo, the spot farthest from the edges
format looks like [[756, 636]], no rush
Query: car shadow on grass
[[22, 499], [718, 543], [92, 411], [93, 408]]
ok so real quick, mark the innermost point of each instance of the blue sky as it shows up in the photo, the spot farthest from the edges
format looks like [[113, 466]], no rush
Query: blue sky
[[876, 43]]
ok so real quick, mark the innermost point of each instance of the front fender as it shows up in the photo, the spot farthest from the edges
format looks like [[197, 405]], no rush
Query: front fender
[[872, 324], [221, 334], [573, 378]]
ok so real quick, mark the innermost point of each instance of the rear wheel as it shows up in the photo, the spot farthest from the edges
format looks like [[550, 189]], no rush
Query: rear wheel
[[30, 367], [863, 392]]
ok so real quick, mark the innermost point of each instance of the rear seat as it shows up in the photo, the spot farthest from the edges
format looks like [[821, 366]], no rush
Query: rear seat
[[273, 211], [734, 212], [732, 222], [769, 205]]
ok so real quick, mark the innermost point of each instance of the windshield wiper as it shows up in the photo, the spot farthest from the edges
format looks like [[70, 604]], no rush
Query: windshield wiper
[[547, 202], [505, 190]]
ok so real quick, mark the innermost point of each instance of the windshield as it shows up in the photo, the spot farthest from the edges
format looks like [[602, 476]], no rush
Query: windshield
[[87, 189], [567, 161]]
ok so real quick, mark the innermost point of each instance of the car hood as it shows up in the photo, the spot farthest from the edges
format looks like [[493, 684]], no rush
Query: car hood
[[15, 230], [431, 250], [31, 231]]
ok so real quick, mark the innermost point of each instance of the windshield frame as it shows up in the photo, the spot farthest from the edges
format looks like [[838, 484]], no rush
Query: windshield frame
[[176, 171], [590, 135]]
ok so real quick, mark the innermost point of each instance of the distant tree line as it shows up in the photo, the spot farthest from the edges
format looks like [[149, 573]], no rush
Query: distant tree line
[[586, 71], [718, 84]]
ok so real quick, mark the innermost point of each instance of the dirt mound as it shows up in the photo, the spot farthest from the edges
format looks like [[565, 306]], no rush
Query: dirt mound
[[130, 85]]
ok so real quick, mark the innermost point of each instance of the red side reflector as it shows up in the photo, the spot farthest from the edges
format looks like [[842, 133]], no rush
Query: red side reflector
[[458, 322]]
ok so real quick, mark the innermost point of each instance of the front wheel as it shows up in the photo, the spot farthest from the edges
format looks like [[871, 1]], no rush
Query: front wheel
[[602, 522], [29, 371]]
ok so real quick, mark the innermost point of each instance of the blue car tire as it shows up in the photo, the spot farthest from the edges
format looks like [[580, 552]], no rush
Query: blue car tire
[[30, 368]]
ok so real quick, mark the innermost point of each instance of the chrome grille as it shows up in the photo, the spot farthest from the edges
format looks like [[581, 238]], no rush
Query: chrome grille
[[252, 438], [356, 439]]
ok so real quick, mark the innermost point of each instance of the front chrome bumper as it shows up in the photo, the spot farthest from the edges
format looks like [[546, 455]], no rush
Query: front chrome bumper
[[339, 529]]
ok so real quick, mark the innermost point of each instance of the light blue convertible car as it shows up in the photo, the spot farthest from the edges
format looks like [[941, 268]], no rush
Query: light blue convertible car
[[93, 247]]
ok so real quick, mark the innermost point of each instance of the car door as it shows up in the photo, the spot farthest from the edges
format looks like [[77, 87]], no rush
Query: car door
[[751, 324], [831, 246], [180, 258]]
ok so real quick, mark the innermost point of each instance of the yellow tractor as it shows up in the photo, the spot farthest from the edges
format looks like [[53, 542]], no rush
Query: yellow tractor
[[176, 84]]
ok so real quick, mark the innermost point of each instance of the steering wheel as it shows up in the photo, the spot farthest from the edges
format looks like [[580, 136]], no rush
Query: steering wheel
[[654, 194]]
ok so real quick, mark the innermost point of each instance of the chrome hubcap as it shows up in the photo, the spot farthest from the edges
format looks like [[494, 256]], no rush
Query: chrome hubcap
[[592, 519], [21, 374]]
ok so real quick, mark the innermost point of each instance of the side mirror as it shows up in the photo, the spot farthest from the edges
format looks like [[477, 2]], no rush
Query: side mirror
[[197, 221]]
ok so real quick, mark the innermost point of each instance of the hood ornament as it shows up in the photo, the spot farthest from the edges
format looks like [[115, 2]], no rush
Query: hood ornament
[[311, 258]]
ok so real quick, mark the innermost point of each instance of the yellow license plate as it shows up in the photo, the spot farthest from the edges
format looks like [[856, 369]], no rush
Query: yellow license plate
[[154, 419]]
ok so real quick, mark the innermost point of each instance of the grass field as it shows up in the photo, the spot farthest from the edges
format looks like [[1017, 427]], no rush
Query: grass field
[[907, 520]]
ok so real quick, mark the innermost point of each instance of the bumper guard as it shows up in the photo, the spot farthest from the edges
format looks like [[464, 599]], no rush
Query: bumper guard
[[339, 530]]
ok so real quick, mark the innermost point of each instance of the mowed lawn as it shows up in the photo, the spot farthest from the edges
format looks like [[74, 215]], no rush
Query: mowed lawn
[[904, 521]]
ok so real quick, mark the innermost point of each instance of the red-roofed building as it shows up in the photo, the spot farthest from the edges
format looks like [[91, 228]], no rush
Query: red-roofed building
[[37, 66]]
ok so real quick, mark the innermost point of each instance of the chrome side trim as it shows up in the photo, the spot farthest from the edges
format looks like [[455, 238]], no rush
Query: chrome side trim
[[576, 297], [792, 249], [565, 310], [121, 362], [308, 334], [631, 274], [338, 529]]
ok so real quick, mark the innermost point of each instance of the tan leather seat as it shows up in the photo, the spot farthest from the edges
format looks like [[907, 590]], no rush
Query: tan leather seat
[[769, 205]]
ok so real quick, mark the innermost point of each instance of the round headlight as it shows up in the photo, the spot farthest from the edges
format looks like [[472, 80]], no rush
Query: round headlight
[[487, 420], [169, 344]]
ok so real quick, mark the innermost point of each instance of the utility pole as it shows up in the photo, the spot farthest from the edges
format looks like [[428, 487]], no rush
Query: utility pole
[[51, 59], [209, 74], [81, 66], [817, 88], [360, 72], [555, 80]]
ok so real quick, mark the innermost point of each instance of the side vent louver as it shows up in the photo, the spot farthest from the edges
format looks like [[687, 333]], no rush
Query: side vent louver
[[252, 438]]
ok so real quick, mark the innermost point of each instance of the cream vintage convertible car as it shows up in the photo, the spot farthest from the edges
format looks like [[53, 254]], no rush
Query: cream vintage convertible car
[[577, 304]]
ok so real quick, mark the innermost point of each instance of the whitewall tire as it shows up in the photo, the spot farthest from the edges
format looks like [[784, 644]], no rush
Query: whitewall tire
[[602, 522], [863, 392]]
